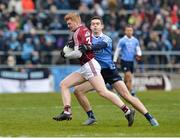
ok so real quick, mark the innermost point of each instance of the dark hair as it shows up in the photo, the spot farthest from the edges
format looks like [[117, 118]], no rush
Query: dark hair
[[98, 18], [129, 26]]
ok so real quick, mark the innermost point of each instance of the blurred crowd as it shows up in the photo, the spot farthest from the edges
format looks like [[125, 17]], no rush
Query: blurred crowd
[[31, 26]]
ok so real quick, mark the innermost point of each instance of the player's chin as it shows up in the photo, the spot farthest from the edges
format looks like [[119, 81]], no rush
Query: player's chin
[[71, 29]]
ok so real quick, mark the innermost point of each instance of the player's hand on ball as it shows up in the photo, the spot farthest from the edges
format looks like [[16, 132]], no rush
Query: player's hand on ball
[[70, 44], [85, 48]]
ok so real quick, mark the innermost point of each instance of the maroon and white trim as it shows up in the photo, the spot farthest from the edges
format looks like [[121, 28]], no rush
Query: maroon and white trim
[[92, 68]]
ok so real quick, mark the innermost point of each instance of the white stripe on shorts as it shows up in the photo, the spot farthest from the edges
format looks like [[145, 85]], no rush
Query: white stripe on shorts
[[92, 68]]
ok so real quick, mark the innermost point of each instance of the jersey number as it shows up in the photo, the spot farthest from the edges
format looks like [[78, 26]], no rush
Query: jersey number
[[88, 40]]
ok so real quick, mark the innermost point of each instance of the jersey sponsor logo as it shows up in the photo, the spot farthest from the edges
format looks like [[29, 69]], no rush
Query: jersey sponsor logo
[[152, 81]]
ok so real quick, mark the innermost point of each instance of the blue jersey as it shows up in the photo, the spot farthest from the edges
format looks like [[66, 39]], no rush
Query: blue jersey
[[104, 55], [128, 48]]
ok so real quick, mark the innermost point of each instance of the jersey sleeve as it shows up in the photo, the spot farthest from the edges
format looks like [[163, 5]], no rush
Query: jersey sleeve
[[87, 37], [117, 51], [82, 37], [108, 41], [76, 53], [138, 49], [99, 45], [76, 38]]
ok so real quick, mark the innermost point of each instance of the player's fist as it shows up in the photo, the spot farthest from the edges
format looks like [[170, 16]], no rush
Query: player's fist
[[117, 65], [138, 58]]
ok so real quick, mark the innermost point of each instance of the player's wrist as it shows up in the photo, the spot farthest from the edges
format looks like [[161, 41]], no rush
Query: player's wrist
[[138, 58]]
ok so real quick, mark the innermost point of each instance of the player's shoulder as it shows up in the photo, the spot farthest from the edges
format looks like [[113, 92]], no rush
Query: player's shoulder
[[134, 38], [106, 37], [122, 39], [83, 31], [83, 28]]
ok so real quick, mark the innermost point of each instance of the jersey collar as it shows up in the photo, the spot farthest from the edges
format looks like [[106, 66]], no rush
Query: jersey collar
[[78, 27], [97, 36], [128, 37]]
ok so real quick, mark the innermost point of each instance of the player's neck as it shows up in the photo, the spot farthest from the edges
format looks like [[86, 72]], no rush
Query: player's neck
[[77, 26], [97, 34], [129, 36]]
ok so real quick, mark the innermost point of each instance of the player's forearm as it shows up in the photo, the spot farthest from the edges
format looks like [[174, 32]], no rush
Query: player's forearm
[[116, 54], [138, 51], [99, 46], [74, 54]]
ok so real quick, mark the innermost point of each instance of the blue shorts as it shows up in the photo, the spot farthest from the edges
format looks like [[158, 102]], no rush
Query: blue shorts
[[111, 75], [127, 66]]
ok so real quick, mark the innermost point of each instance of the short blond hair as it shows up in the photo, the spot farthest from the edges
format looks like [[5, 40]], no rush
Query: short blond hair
[[73, 16]]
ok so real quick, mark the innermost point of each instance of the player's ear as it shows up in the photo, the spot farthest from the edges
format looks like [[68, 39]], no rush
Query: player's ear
[[90, 26], [102, 26]]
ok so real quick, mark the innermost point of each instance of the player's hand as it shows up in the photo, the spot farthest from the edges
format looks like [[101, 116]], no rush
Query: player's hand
[[85, 48], [117, 65], [138, 58], [70, 43], [63, 54]]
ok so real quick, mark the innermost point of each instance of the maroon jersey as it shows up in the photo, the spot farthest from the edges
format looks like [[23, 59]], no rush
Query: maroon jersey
[[82, 35]]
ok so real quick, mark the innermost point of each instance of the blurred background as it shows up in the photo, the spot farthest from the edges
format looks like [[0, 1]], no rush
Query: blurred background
[[33, 32]]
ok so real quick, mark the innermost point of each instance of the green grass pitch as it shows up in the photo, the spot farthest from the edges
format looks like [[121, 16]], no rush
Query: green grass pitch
[[31, 115]]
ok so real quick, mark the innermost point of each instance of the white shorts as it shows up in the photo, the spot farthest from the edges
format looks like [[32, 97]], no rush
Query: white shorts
[[90, 69]]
